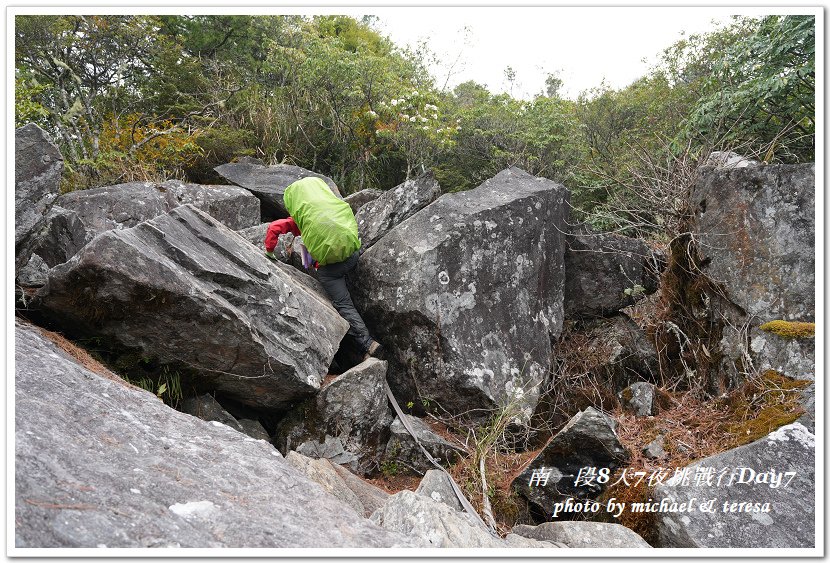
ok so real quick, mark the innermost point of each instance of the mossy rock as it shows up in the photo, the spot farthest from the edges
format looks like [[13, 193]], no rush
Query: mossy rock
[[790, 329]]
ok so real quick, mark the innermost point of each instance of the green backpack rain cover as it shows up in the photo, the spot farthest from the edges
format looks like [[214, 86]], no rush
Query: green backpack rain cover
[[326, 222]]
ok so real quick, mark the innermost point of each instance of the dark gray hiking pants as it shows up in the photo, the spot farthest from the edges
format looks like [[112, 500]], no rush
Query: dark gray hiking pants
[[333, 278]]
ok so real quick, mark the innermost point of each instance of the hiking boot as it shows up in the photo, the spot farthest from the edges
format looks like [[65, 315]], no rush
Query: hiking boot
[[375, 351]]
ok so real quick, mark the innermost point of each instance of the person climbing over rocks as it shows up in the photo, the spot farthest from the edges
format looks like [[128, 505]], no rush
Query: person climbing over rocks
[[329, 234]]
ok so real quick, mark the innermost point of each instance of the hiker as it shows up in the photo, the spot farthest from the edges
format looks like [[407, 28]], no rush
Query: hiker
[[329, 232]]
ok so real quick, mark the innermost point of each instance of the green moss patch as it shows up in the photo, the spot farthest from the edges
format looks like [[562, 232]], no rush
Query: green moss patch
[[790, 329]]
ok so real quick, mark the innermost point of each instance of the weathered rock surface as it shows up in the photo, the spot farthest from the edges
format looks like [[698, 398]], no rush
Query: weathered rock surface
[[351, 489], [584, 534], [436, 485], [254, 429], [353, 408], [207, 408], [370, 497], [322, 471], [403, 449], [361, 198], [755, 229], [81, 215], [34, 273], [378, 217], [605, 273], [61, 236], [100, 463], [467, 293], [793, 357], [37, 174], [184, 290], [434, 524], [268, 183], [589, 440], [256, 235], [639, 398], [755, 232], [790, 522]]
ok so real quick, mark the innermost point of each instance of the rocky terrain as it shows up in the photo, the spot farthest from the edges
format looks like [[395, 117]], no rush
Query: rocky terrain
[[272, 433]]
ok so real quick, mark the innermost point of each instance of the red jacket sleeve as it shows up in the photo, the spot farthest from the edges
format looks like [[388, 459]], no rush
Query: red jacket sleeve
[[277, 228]]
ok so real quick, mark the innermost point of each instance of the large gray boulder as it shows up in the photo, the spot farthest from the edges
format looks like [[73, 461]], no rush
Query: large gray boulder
[[467, 294], [185, 291], [353, 408], [103, 464], [268, 183], [762, 495], [584, 534], [605, 272], [434, 524], [81, 215], [755, 229], [377, 217], [755, 235], [37, 174], [589, 440]]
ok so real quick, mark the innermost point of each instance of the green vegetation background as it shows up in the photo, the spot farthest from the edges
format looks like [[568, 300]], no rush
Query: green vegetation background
[[156, 97]]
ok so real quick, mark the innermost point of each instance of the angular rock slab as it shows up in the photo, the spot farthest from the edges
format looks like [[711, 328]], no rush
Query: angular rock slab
[[207, 408], [81, 215], [187, 291], [437, 486], [584, 534], [100, 463], [322, 471], [467, 293], [353, 408], [37, 174], [268, 183], [370, 496], [755, 228], [791, 521], [589, 440], [605, 273], [378, 217], [361, 198], [434, 524]]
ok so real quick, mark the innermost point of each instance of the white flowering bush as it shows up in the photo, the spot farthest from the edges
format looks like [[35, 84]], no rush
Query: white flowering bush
[[415, 126]]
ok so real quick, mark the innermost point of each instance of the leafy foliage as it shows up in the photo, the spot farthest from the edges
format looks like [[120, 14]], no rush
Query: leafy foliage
[[158, 96], [761, 92]]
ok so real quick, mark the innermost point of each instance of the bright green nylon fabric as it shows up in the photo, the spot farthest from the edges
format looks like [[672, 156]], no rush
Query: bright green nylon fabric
[[326, 222]]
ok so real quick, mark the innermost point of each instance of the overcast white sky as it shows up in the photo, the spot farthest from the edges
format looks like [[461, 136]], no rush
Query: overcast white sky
[[583, 45]]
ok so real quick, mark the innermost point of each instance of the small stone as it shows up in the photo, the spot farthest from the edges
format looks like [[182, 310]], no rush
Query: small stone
[[654, 450], [639, 398]]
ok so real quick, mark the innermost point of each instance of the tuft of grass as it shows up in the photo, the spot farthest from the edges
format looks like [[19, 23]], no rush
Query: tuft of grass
[[790, 329]]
